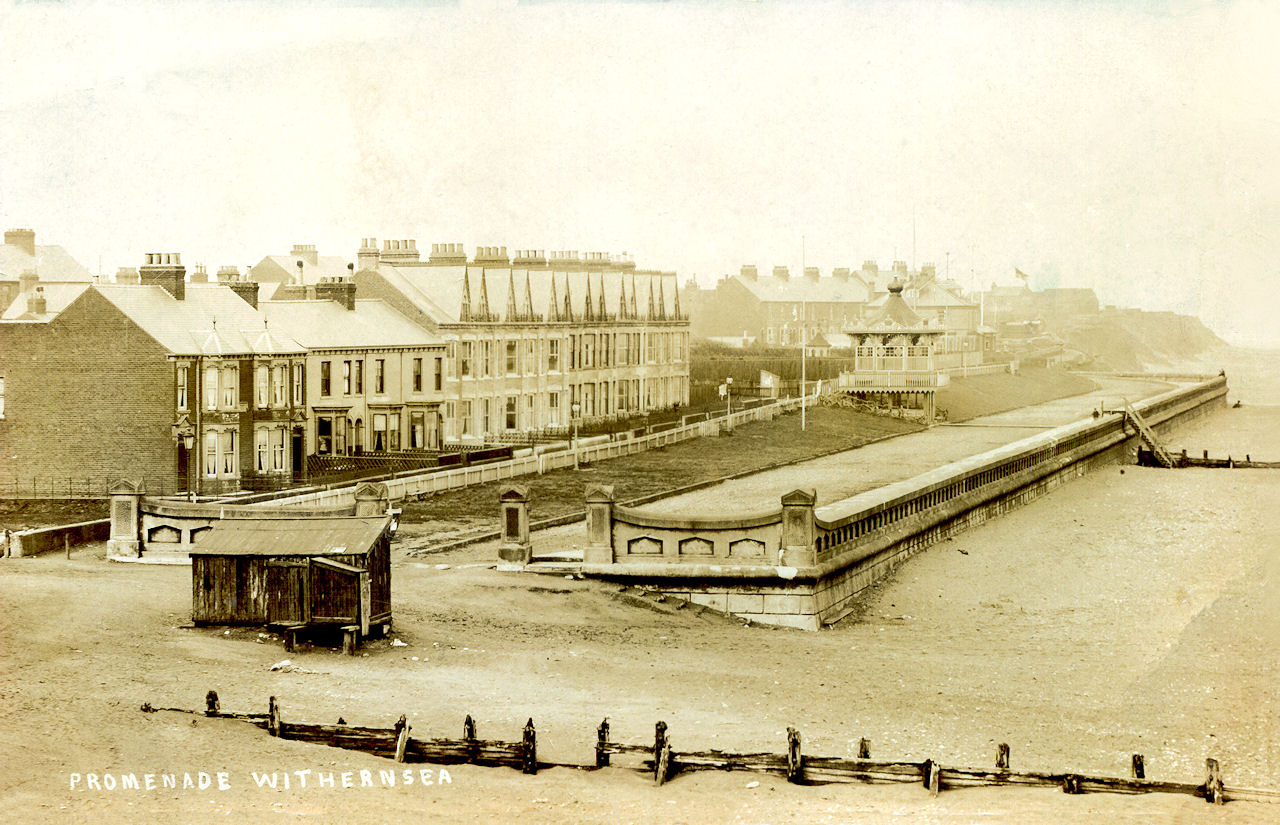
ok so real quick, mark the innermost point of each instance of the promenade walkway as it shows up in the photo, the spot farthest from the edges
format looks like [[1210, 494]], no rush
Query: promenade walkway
[[874, 465]]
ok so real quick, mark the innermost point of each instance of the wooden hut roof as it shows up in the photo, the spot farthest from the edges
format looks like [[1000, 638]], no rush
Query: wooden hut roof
[[292, 536]]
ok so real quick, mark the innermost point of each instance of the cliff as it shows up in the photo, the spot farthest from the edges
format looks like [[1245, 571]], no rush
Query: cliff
[[1131, 339]]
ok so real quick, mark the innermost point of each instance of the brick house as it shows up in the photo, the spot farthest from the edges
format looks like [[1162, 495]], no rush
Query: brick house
[[162, 380]]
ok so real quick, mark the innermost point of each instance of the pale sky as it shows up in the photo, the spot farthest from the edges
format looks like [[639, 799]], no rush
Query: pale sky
[[1129, 147]]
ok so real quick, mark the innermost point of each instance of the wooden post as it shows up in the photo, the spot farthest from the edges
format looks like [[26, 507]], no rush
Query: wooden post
[[659, 740], [530, 753], [273, 717], [932, 776], [211, 703], [663, 763], [469, 735], [795, 760], [864, 748], [1139, 769], [1002, 756], [402, 737], [66, 544], [1213, 782], [602, 739], [1071, 783]]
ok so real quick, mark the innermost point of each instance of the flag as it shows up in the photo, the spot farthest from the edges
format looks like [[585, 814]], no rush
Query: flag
[[1020, 274]]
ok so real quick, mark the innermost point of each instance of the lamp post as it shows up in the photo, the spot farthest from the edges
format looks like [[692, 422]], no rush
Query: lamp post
[[574, 409]]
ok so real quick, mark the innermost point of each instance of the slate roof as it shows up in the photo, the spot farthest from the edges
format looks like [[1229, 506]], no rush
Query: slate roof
[[441, 292], [211, 320], [326, 266], [292, 536], [320, 324], [767, 288], [57, 297], [51, 263]]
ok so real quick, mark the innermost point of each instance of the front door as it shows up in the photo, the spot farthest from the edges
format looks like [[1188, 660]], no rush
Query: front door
[[298, 458]]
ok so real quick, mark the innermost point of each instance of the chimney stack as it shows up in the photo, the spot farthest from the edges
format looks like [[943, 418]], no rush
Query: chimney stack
[[24, 239], [812, 273], [127, 275], [337, 289], [400, 252], [199, 275], [367, 256], [840, 273], [36, 304], [307, 252], [749, 272], [781, 272], [165, 269], [243, 285], [27, 281], [447, 254]]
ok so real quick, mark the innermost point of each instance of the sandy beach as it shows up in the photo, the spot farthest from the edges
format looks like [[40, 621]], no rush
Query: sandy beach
[[1126, 612]]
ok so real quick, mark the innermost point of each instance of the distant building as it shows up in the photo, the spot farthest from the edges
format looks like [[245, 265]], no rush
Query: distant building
[[534, 338], [782, 310], [773, 308], [374, 378], [23, 265], [173, 383], [279, 275]]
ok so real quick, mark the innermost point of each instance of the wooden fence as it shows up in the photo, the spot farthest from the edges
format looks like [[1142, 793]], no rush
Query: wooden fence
[[663, 762], [419, 484]]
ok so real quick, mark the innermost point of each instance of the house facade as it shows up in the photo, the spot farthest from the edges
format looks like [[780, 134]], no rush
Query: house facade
[[536, 342], [172, 383], [375, 379]]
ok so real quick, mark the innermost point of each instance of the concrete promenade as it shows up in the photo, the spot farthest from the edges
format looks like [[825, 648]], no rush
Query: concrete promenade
[[864, 468]]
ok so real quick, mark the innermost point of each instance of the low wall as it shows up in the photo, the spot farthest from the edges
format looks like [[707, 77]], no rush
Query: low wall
[[45, 539], [823, 557]]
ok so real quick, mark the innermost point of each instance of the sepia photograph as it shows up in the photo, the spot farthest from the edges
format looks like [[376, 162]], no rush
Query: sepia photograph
[[691, 412]]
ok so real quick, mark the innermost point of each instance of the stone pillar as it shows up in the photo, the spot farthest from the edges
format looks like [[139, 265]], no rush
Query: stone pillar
[[126, 528], [372, 500], [516, 550], [599, 549], [798, 529]]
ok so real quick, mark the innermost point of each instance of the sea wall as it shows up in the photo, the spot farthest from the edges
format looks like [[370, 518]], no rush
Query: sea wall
[[802, 566]]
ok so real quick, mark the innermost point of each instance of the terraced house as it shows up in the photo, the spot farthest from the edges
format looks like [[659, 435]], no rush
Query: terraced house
[[184, 386], [534, 342], [374, 378]]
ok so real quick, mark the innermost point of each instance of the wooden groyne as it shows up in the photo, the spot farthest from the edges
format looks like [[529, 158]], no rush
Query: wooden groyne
[[663, 762]]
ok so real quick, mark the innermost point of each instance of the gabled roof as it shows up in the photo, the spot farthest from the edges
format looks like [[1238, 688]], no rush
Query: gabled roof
[[51, 263], [211, 320], [934, 294], [320, 324], [57, 296], [291, 536], [326, 266], [455, 294]]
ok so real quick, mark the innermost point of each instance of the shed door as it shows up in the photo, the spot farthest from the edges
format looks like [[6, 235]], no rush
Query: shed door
[[287, 596]]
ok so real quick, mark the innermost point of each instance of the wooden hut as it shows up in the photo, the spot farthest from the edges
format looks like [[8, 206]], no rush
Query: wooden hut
[[295, 572]]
